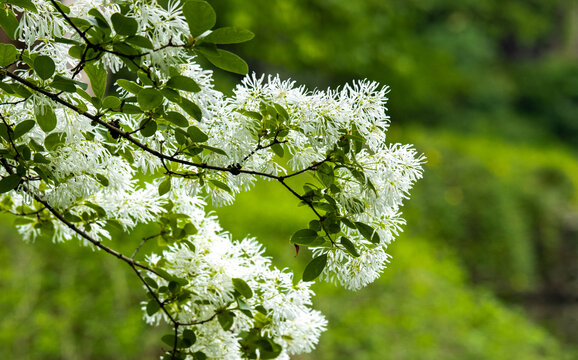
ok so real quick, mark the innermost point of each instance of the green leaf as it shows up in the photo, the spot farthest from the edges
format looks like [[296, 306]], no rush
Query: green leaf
[[10, 182], [304, 237], [189, 337], [368, 232], [243, 288], [348, 223], [191, 108], [349, 246], [124, 25], [111, 102], [278, 149], [196, 135], [64, 84], [52, 141], [226, 319], [98, 78], [100, 19], [8, 54], [129, 86], [169, 340], [25, 4], [229, 35], [22, 128], [177, 119], [165, 186], [152, 307], [149, 129], [184, 83], [200, 16], [281, 111], [252, 114], [8, 22], [102, 180], [325, 173], [315, 268], [99, 210], [226, 60], [214, 149], [140, 41], [149, 99], [40, 159], [44, 67], [221, 185], [45, 118]]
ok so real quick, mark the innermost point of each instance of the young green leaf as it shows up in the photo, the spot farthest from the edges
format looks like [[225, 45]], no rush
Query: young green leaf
[[54, 139], [229, 35], [243, 288], [177, 118], [149, 129], [140, 41], [22, 128], [191, 108], [304, 237], [349, 246], [8, 22], [221, 185], [111, 102], [45, 118], [278, 149], [64, 84], [44, 67], [129, 86], [189, 337], [226, 319], [315, 268], [199, 15], [169, 340], [184, 83], [368, 232], [149, 99], [196, 135], [8, 54], [25, 4], [98, 77], [165, 186], [226, 60], [10, 182], [325, 173], [152, 307], [124, 25]]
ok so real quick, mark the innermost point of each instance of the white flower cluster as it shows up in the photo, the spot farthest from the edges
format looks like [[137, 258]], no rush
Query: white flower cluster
[[280, 308], [269, 129]]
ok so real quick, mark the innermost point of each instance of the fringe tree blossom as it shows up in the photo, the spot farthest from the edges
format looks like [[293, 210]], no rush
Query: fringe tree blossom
[[151, 147]]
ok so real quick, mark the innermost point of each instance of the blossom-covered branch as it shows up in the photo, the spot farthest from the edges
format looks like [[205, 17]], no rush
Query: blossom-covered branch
[[152, 148]]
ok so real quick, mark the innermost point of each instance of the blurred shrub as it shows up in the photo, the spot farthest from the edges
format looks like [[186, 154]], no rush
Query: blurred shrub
[[510, 211], [67, 302], [501, 67]]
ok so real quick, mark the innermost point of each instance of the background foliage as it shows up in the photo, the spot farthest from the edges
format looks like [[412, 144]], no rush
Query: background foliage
[[487, 267]]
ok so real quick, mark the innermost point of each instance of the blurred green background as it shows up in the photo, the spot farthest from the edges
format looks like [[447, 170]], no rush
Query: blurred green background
[[487, 267]]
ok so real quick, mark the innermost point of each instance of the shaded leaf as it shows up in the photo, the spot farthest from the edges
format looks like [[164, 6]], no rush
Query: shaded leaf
[[229, 35], [10, 182], [315, 268], [8, 54], [200, 16], [243, 288], [124, 25], [304, 237], [226, 60], [44, 67]]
